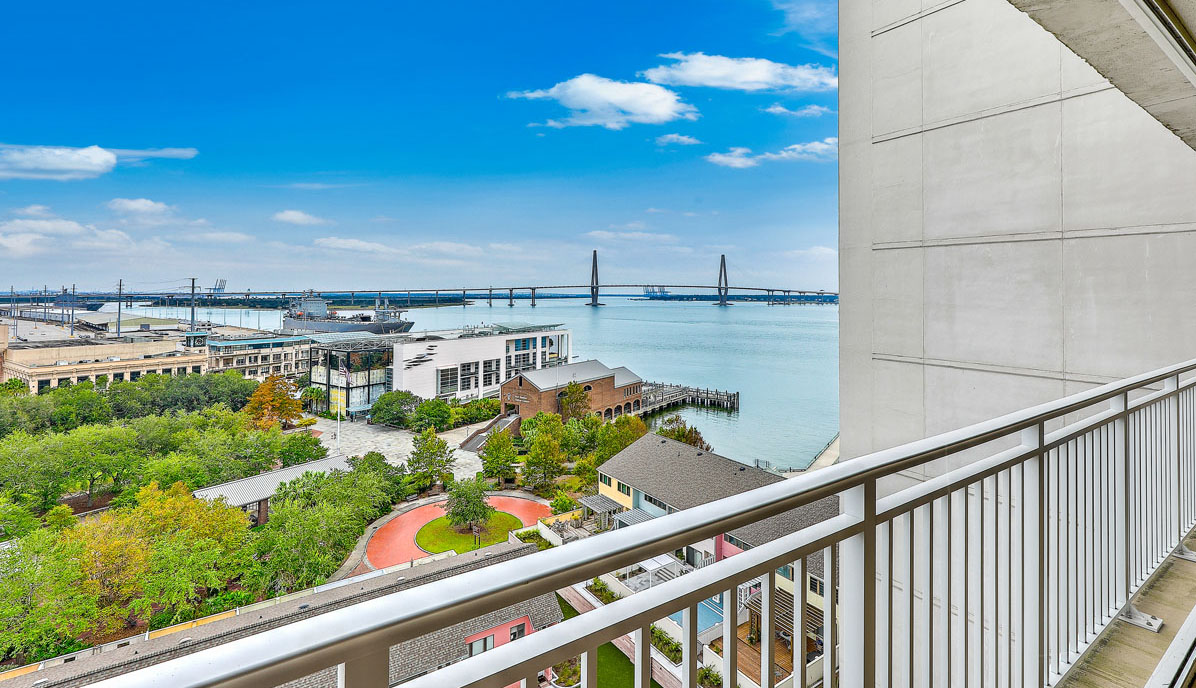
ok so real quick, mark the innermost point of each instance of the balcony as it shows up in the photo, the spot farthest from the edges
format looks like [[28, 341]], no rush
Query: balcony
[[1036, 550]]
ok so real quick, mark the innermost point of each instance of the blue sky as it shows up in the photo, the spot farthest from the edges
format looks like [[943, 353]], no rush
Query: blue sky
[[391, 145]]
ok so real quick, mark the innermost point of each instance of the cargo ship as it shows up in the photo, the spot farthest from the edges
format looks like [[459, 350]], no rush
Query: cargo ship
[[310, 313]]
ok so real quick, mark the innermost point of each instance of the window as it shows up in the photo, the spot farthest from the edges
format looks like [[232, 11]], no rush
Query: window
[[816, 586], [786, 571], [480, 645], [588, 388], [731, 539], [604, 478], [518, 632], [655, 502], [446, 381], [625, 489]]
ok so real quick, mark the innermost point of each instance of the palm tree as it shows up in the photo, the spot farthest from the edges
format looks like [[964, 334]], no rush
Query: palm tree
[[311, 396]]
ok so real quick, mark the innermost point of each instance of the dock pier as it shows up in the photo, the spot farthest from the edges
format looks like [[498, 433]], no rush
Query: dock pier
[[659, 395]]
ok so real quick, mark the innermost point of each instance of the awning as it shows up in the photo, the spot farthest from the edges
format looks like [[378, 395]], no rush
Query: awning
[[600, 504], [782, 608], [632, 517], [658, 562]]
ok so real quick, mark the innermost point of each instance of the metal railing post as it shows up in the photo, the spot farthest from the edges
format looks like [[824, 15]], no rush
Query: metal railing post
[[1034, 645], [369, 671], [858, 595], [1121, 498], [1177, 530]]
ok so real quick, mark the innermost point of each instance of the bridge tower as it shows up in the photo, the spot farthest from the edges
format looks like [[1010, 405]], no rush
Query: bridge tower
[[594, 281], [723, 283]]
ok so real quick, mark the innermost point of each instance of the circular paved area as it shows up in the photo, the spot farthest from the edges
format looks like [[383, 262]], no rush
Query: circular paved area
[[394, 543]]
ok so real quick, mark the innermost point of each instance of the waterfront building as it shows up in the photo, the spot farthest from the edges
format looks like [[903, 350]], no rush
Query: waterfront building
[[259, 357], [473, 362], [352, 369], [52, 363], [613, 391]]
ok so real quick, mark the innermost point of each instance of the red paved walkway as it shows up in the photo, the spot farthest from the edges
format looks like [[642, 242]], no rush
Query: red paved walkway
[[394, 543]]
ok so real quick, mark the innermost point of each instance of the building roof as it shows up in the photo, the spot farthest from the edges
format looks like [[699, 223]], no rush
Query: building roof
[[60, 343], [218, 343], [425, 653], [555, 377], [263, 485], [653, 463], [632, 517], [600, 504]]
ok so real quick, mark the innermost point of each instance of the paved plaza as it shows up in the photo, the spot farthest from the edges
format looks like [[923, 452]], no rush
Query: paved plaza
[[358, 437]]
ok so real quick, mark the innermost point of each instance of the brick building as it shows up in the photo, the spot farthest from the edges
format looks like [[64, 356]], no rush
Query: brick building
[[613, 391]]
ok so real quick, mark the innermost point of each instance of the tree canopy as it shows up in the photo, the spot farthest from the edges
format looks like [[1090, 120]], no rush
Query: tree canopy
[[674, 427], [274, 403], [498, 455], [394, 408], [467, 504], [575, 402], [430, 458]]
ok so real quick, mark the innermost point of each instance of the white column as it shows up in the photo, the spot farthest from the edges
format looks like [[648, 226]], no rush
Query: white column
[[858, 593]]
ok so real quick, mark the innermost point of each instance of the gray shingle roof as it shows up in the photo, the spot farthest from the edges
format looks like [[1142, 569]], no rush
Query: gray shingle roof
[[653, 464], [263, 485], [556, 377], [632, 517]]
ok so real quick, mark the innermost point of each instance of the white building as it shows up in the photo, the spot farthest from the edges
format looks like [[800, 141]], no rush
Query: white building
[[473, 362], [1014, 228]]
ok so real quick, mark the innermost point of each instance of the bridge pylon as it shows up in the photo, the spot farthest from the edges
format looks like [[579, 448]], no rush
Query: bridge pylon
[[594, 282], [723, 284]]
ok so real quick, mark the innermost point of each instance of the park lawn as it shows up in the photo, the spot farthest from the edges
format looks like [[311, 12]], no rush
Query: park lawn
[[614, 669], [439, 536]]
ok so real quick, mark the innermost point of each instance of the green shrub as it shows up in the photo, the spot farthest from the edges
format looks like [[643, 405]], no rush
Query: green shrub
[[534, 536], [666, 644], [602, 591], [562, 503]]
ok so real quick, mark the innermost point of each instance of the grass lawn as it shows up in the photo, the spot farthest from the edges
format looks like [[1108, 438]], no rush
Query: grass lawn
[[614, 669], [438, 536]]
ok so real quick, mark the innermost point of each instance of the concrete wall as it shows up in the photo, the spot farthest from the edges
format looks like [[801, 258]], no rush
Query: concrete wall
[[1012, 228]]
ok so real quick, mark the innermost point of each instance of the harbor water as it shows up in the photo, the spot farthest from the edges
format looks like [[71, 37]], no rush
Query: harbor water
[[783, 360]]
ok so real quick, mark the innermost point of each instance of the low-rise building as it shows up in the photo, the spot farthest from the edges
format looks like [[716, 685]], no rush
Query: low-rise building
[[352, 369], [54, 363], [613, 391], [473, 362], [655, 476], [252, 495], [260, 357]]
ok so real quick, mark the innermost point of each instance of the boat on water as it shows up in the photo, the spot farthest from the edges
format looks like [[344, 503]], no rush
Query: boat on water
[[310, 313]]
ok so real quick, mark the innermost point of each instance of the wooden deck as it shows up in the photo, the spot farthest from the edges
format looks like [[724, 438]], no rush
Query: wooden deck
[[749, 656]]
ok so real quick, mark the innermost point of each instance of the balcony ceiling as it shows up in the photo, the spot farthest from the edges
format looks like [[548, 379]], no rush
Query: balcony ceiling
[[1143, 47]]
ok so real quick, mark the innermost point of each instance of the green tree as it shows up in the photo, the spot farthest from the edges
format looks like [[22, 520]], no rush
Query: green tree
[[586, 471], [14, 387], [395, 408], [574, 401], [15, 520], [430, 458], [581, 435], [617, 436], [467, 504], [498, 455], [311, 396], [433, 413], [545, 461], [34, 470], [46, 601], [60, 518], [675, 428], [300, 447], [562, 502], [395, 477]]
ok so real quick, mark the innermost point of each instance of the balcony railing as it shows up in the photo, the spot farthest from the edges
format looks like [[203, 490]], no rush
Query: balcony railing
[[1037, 531]]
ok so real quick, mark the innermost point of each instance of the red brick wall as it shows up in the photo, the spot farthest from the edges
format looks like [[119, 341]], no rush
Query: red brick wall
[[604, 396]]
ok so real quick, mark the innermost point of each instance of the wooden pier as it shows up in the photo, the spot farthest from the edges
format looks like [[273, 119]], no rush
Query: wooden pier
[[658, 395]]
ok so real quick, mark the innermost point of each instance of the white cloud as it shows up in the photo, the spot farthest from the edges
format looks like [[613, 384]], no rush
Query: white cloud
[[597, 101], [814, 253], [506, 248], [224, 237], [138, 206], [298, 217], [804, 111], [311, 186], [825, 150], [64, 163], [680, 139], [655, 210], [741, 73], [44, 227], [34, 210], [344, 244], [603, 235], [54, 162], [450, 248], [104, 240], [815, 21], [736, 157], [20, 245]]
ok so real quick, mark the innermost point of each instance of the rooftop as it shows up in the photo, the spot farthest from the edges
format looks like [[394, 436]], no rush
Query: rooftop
[[263, 485], [556, 377], [653, 463]]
